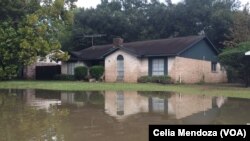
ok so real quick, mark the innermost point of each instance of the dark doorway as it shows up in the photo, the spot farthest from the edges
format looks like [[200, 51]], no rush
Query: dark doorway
[[47, 72]]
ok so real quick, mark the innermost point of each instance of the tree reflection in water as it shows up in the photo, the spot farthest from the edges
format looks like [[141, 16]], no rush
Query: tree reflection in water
[[20, 122]]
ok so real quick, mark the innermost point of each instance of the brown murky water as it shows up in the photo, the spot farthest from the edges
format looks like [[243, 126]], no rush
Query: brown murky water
[[39, 115]]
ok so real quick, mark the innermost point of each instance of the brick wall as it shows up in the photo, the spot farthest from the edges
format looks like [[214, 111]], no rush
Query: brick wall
[[133, 67], [65, 67], [181, 105], [184, 70], [187, 70], [30, 72]]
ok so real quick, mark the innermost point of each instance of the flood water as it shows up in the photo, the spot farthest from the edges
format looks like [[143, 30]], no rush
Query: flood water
[[41, 115]]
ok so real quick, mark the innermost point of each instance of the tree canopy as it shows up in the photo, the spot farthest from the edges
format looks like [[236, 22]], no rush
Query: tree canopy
[[31, 29], [136, 20], [234, 59]]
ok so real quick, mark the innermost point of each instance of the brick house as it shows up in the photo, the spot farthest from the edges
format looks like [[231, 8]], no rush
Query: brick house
[[189, 59]]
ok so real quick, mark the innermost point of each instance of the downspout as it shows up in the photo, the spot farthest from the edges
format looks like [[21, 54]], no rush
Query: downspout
[[180, 78], [203, 69], [180, 75]]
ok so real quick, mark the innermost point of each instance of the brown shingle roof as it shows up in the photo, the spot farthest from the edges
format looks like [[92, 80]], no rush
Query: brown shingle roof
[[93, 53], [170, 46], [161, 47]]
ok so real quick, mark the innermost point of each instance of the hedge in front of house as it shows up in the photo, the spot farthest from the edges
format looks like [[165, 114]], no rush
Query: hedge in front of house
[[96, 72], [64, 77], [155, 79], [80, 72]]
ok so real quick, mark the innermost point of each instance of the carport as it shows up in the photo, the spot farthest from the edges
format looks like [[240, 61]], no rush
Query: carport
[[47, 71], [43, 69]]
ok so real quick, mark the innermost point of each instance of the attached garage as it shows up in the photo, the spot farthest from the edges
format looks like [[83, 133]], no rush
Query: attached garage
[[44, 69], [47, 72]]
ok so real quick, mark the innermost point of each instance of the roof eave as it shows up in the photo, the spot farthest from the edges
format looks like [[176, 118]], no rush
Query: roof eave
[[217, 51], [160, 55], [89, 59], [190, 46], [121, 48], [130, 51], [109, 52]]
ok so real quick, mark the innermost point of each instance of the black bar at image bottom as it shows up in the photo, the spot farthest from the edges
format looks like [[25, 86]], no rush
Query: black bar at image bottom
[[199, 132]]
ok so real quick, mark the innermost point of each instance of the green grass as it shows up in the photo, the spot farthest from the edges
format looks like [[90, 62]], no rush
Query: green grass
[[206, 89]]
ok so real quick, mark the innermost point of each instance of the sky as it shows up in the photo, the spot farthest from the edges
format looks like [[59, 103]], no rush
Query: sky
[[93, 3]]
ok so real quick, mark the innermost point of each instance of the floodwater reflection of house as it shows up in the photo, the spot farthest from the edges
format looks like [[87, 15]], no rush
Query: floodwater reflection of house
[[70, 98], [32, 98], [82, 98], [185, 105], [124, 104]]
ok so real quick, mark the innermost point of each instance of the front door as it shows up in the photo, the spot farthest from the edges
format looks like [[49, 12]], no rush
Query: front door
[[120, 68]]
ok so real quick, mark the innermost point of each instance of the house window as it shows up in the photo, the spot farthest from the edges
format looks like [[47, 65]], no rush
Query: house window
[[120, 68], [157, 67], [214, 66], [71, 67]]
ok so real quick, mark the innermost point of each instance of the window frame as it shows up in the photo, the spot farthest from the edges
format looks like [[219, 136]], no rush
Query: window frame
[[120, 68], [71, 66], [158, 67], [214, 66]]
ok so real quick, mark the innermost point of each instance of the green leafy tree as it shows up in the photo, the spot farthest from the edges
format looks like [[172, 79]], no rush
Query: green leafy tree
[[212, 18], [235, 59], [8, 51], [35, 35], [240, 30], [136, 20], [16, 9], [22, 122]]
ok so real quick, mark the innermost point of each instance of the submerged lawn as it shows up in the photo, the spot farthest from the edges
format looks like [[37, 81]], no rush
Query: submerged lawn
[[215, 89]]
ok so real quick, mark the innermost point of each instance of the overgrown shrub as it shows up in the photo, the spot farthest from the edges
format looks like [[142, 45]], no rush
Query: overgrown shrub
[[155, 79], [232, 75], [8, 73], [164, 79], [144, 79], [80, 72], [96, 72], [64, 77], [236, 62]]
